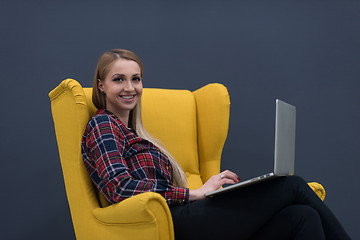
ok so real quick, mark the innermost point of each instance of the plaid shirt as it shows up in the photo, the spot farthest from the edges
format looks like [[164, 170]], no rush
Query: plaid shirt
[[121, 164]]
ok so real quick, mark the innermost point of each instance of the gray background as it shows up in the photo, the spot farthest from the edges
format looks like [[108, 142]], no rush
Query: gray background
[[304, 52]]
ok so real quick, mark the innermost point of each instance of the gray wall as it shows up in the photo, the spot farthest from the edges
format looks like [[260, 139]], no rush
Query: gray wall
[[304, 52]]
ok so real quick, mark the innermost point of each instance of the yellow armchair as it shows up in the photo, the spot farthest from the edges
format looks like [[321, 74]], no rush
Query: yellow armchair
[[193, 127]]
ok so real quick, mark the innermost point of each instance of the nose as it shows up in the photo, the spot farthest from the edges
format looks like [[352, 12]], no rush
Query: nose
[[129, 86]]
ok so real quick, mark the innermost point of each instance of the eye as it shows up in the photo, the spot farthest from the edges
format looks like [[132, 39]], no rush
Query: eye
[[118, 79], [137, 79]]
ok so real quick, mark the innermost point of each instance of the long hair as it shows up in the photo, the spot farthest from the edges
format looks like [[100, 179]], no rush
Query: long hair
[[135, 119]]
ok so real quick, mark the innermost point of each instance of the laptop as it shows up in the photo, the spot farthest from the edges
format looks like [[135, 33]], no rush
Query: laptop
[[284, 156]]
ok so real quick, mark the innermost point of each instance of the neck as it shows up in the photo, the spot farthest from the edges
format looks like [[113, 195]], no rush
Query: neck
[[123, 116], [125, 120]]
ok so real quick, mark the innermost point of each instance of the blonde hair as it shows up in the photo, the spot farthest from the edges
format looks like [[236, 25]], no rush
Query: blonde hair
[[135, 119]]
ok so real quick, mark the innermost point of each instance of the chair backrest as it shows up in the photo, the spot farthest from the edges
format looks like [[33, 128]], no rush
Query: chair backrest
[[192, 126]]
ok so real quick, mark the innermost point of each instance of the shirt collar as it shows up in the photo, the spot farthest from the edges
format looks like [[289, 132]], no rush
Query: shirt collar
[[105, 111]]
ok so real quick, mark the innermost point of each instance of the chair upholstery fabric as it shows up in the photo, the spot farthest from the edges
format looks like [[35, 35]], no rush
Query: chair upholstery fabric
[[192, 126]]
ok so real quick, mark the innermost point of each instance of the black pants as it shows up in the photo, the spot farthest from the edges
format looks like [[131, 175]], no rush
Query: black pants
[[283, 208]]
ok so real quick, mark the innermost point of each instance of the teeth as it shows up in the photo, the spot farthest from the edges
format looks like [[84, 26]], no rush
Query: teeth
[[128, 97]]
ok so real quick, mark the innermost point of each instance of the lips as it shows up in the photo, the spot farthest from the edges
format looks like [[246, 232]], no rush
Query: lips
[[127, 96]]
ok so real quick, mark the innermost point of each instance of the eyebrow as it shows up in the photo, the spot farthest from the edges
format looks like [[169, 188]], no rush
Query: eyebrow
[[118, 75], [123, 75]]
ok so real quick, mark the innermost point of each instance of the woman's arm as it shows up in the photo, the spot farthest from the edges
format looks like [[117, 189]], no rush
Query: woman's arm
[[119, 178]]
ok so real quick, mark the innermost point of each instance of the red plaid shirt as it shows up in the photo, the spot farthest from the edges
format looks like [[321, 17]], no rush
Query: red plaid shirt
[[121, 164]]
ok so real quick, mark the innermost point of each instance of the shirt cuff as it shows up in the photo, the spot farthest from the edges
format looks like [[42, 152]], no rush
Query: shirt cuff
[[177, 195]]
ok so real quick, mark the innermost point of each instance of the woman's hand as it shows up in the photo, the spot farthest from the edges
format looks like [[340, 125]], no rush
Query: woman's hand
[[214, 183]]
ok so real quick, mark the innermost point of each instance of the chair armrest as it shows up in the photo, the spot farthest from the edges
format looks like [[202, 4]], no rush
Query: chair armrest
[[143, 208], [318, 189]]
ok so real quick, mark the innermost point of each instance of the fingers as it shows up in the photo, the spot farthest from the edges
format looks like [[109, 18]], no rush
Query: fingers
[[226, 181], [216, 181], [228, 175]]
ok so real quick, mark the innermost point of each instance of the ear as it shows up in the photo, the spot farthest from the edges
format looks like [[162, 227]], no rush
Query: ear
[[100, 85]]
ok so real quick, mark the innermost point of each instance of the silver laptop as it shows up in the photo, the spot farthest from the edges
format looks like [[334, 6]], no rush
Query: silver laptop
[[284, 156]]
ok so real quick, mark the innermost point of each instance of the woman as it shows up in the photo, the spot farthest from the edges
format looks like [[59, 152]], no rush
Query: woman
[[124, 160]]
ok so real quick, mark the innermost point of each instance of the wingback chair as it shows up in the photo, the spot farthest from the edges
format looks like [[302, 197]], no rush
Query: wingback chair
[[193, 127]]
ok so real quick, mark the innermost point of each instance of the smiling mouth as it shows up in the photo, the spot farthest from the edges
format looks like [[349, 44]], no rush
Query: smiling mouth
[[128, 97]]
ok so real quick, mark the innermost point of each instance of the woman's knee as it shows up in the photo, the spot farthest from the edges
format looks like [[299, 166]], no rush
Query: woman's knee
[[305, 221], [296, 183], [296, 179], [293, 222], [304, 213]]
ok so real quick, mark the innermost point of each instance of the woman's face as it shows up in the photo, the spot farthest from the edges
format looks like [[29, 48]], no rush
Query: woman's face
[[122, 87]]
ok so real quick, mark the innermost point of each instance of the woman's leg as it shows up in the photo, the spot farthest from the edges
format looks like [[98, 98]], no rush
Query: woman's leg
[[299, 222], [243, 212], [301, 193]]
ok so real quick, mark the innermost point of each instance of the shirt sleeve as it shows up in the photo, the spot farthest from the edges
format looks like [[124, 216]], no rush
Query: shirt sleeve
[[111, 173]]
